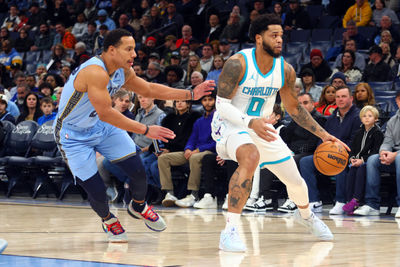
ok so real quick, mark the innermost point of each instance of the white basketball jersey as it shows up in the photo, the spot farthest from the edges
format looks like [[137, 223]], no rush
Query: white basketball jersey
[[256, 92]]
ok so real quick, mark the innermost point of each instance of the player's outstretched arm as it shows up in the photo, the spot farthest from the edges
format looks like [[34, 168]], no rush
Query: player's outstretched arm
[[298, 113], [95, 82], [162, 92]]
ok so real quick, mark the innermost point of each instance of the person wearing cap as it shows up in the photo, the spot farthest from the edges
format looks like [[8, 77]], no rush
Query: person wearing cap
[[4, 114], [296, 17], [103, 19], [225, 49], [319, 66], [170, 47], [175, 59], [360, 12], [213, 29], [308, 81], [154, 57], [352, 73], [150, 44], [377, 70], [338, 79]]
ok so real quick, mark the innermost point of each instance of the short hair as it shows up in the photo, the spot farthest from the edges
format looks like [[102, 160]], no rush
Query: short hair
[[93, 24], [278, 110], [175, 68], [113, 38], [304, 93], [197, 72], [261, 23], [80, 45], [122, 93], [373, 110], [344, 87], [209, 45], [45, 85], [46, 100]]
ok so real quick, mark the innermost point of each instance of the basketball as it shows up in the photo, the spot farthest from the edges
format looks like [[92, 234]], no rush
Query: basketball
[[330, 158]]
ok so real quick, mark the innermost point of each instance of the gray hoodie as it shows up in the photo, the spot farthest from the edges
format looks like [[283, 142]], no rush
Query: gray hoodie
[[392, 134]]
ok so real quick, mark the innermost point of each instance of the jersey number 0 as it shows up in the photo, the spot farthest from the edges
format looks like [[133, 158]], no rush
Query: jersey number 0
[[255, 106]]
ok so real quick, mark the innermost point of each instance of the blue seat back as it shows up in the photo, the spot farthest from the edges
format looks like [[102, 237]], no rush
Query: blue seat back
[[8, 127], [44, 140], [21, 137]]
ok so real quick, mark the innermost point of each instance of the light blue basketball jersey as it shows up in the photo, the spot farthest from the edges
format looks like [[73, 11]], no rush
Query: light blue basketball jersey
[[75, 110]]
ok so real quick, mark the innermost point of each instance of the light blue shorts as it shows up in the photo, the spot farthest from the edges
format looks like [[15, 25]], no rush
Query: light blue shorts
[[79, 147]]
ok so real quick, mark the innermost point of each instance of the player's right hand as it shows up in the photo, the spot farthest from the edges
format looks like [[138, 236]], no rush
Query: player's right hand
[[160, 133], [264, 129]]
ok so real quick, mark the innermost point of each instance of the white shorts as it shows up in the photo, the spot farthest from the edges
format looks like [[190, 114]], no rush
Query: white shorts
[[229, 137]]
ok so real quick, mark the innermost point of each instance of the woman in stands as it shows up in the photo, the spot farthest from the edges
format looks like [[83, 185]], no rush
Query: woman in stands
[[327, 102], [194, 65], [387, 55], [363, 95], [352, 73], [380, 11], [309, 86], [23, 43], [216, 68], [58, 59], [30, 108], [386, 37]]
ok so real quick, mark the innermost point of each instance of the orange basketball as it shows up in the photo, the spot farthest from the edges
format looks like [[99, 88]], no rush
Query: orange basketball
[[330, 158]]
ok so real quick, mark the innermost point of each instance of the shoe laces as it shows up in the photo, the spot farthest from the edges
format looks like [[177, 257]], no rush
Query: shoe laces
[[150, 214], [115, 228]]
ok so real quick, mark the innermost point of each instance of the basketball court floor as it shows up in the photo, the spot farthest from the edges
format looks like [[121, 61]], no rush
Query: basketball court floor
[[67, 233]]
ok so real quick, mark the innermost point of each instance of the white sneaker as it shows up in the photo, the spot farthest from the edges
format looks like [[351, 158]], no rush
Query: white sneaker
[[397, 213], [366, 211], [337, 209], [225, 205], [186, 202], [316, 206], [230, 241], [260, 205], [288, 207], [317, 227], [3, 245], [169, 200], [207, 202]]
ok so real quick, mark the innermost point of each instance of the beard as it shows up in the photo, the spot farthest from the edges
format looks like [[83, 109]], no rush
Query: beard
[[269, 50]]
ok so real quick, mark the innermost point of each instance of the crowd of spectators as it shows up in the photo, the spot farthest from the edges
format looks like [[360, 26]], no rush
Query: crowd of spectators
[[181, 44]]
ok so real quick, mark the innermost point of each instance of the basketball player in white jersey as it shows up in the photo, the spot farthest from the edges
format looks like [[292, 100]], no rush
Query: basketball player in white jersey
[[247, 90]]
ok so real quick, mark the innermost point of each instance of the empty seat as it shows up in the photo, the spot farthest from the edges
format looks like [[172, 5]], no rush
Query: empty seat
[[367, 32], [338, 36], [32, 57], [46, 56], [384, 93], [381, 86], [321, 35], [294, 60], [300, 35], [299, 48], [329, 22], [315, 12]]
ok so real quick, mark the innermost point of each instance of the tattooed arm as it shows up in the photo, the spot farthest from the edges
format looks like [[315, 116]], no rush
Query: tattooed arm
[[298, 113]]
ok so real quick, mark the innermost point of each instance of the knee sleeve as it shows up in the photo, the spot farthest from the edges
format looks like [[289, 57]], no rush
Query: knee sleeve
[[134, 169]]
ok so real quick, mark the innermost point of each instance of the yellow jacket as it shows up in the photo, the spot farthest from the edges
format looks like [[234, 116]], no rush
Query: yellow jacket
[[361, 16]]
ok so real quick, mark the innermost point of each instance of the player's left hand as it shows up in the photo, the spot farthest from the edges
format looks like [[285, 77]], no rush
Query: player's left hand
[[205, 88], [331, 138]]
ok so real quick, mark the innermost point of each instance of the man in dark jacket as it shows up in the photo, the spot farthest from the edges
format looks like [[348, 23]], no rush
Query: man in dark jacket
[[319, 66], [296, 17], [343, 124], [377, 70]]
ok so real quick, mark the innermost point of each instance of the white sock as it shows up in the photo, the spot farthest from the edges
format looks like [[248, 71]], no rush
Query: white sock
[[232, 220]]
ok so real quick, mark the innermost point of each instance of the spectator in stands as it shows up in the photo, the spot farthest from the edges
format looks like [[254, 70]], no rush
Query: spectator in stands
[[89, 36], [155, 57], [351, 45], [80, 55], [377, 70], [124, 24], [156, 18], [363, 95], [145, 29], [387, 56], [59, 58], [194, 65], [99, 41], [298, 86], [366, 142], [75, 8], [343, 124], [64, 37], [30, 109], [352, 33], [36, 18], [54, 80], [396, 67], [117, 9], [57, 94], [80, 26], [19, 97], [154, 73], [213, 29], [103, 19], [216, 69], [184, 51], [23, 43], [278, 10], [4, 114], [202, 12], [338, 79], [194, 46], [65, 72], [9, 55], [58, 12], [318, 65], [5, 35], [388, 160], [31, 83], [12, 20], [200, 143], [308, 80], [326, 104], [90, 10], [232, 30], [173, 19], [246, 27], [150, 45], [380, 11], [45, 90], [176, 60], [225, 49], [40, 70], [43, 39], [386, 25], [186, 36], [296, 18], [23, 20], [352, 73], [138, 68], [174, 74], [47, 108], [386, 37], [360, 12], [134, 20], [206, 61], [169, 47]]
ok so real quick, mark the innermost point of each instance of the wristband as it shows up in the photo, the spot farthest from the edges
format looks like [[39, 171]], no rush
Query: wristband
[[192, 94], [147, 130]]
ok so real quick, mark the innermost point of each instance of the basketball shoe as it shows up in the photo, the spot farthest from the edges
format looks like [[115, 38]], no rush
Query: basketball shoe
[[152, 220], [207, 202], [337, 209], [317, 227], [114, 230], [288, 207], [230, 241], [3, 245], [259, 205]]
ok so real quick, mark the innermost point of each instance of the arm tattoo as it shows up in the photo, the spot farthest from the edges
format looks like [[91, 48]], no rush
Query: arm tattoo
[[229, 78]]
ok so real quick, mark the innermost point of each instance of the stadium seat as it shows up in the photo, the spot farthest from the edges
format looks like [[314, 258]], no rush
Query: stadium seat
[[315, 12], [294, 60], [318, 35], [322, 84], [381, 86], [297, 48], [8, 127], [387, 104], [397, 85], [13, 35], [329, 22], [338, 36], [384, 93], [324, 46], [46, 56], [367, 32], [300, 35], [32, 57]]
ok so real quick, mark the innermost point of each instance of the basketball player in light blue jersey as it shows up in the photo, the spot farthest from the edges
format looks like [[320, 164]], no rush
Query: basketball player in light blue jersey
[[86, 123], [247, 88]]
